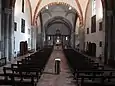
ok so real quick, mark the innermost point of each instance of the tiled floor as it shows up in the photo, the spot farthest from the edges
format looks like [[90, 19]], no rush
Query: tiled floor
[[49, 78]]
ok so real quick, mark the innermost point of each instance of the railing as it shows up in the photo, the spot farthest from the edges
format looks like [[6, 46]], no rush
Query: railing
[[2, 61]]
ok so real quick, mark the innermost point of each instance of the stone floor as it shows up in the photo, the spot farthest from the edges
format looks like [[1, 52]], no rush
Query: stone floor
[[49, 78]]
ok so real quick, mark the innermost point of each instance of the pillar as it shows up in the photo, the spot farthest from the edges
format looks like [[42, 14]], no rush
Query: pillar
[[11, 33], [39, 37], [0, 25], [105, 43], [7, 32], [72, 39], [81, 38], [109, 35], [53, 39], [36, 37], [33, 38]]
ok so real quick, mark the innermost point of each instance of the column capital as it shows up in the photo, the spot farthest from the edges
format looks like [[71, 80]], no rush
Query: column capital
[[8, 11], [33, 27], [109, 12]]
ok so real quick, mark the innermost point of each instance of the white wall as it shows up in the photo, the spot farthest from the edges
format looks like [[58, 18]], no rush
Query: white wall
[[18, 15], [98, 35]]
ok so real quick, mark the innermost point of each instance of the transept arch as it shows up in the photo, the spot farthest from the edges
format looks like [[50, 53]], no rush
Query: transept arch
[[60, 3], [58, 19]]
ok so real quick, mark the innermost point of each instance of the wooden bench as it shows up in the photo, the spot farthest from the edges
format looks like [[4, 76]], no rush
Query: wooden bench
[[17, 80], [33, 72], [103, 80], [27, 71], [92, 75]]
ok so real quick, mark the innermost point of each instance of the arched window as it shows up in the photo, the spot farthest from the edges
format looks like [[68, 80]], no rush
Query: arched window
[[93, 7]]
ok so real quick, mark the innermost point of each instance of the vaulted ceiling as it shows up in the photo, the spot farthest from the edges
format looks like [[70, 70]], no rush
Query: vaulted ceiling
[[80, 5], [37, 5]]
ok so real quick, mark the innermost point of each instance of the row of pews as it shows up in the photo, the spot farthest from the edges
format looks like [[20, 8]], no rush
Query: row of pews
[[26, 72], [87, 72]]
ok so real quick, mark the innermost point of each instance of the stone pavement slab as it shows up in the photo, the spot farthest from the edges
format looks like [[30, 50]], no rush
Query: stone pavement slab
[[49, 78]]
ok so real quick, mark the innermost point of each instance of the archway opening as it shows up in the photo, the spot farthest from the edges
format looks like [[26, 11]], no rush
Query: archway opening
[[58, 17], [59, 30]]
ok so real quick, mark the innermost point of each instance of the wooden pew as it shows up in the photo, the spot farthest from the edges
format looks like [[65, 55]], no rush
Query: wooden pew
[[83, 64], [103, 80], [27, 71], [28, 68], [22, 67], [15, 80], [92, 75]]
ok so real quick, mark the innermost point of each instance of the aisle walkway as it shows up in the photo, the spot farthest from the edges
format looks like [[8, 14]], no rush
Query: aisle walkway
[[50, 79]]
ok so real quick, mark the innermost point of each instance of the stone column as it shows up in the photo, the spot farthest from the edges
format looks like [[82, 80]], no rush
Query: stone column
[[72, 39], [106, 36], [53, 40], [104, 59], [0, 26], [81, 38], [47, 41], [39, 37], [108, 25], [7, 28], [11, 34], [6, 24], [7, 33], [36, 38], [113, 37], [69, 40], [33, 38], [44, 37]]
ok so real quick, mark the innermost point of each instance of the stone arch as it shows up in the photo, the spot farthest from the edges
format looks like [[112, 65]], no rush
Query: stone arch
[[62, 20], [69, 13], [47, 12], [56, 3]]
